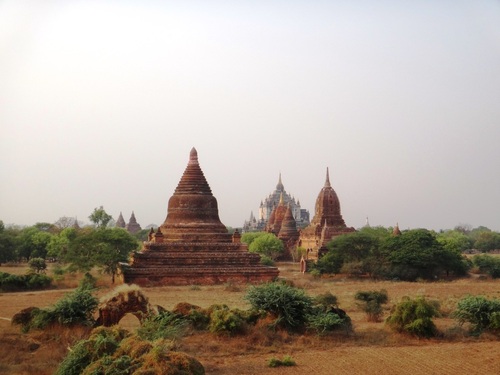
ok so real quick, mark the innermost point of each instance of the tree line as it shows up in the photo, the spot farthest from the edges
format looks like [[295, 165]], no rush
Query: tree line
[[413, 254], [80, 249]]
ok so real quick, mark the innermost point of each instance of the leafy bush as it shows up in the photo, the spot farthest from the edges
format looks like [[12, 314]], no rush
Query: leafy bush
[[326, 300], [290, 306], [414, 316], [327, 321], [76, 307], [164, 325], [325, 315], [114, 351], [371, 303], [481, 313], [487, 264], [225, 320], [31, 281], [266, 261], [267, 244], [286, 361], [37, 265], [199, 318]]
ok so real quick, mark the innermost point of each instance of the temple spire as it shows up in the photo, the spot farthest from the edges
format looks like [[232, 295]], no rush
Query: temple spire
[[327, 182], [280, 186], [193, 156]]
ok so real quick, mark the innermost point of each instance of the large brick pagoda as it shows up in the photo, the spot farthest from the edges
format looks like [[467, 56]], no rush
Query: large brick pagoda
[[192, 246]]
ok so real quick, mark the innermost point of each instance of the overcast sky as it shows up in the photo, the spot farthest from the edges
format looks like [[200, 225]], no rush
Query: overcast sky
[[101, 102]]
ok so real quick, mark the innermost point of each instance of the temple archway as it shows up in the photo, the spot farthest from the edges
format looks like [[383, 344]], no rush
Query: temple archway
[[122, 301]]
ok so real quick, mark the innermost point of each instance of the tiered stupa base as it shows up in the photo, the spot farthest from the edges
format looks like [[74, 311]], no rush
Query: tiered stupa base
[[196, 264], [192, 246]]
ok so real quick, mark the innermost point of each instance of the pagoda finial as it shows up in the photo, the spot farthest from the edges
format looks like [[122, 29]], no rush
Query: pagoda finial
[[279, 186], [193, 156], [327, 182], [396, 231]]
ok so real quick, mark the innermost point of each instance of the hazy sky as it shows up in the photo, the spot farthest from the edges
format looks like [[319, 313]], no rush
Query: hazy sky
[[101, 102]]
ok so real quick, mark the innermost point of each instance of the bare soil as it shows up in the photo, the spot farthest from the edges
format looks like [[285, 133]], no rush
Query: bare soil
[[371, 349]]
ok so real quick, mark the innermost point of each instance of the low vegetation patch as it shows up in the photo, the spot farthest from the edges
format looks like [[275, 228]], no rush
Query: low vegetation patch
[[288, 305], [30, 281], [116, 351], [487, 264], [75, 308], [286, 361], [481, 313], [414, 316], [371, 303]]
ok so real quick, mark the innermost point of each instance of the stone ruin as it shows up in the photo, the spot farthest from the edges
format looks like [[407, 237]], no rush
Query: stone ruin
[[123, 300], [192, 246]]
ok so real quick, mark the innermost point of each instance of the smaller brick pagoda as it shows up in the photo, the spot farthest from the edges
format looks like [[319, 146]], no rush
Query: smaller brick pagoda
[[326, 224], [192, 246]]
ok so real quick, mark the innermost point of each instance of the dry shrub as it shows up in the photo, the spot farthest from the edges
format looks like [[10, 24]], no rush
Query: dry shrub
[[266, 333], [23, 317], [124, 292], [161, 361], [133, 347], [184, 308], [230, 286]]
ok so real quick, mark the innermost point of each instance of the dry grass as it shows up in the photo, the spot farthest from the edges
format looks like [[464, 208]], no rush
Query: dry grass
[[371, 349]]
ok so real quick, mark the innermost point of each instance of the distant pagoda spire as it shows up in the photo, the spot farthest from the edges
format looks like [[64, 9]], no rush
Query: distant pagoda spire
[[396, 231], [280, 186], [327, 181], [133, 226], [120, 222]]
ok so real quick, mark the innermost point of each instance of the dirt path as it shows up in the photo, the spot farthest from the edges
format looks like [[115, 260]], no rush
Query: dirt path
[[447, 358]]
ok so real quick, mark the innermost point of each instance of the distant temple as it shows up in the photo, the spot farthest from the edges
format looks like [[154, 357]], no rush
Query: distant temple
[[267, 206], [120, 222], [132, 227], [326, 224], [192, 246]]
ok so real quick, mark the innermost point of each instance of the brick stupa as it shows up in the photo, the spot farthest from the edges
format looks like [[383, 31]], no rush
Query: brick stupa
[[192, 246]]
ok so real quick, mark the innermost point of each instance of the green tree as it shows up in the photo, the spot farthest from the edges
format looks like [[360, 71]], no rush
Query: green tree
[[371, 302], [33, 242], [487, 241], [116, 244], [100, 218], [58, 245], [46, 227], [417, 254], [379, 232], [80, 253], [249, 237], [454, 240], [354, 253], [488, 264], [104, 248], [38, 265], [267, 244], [8, 243]]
